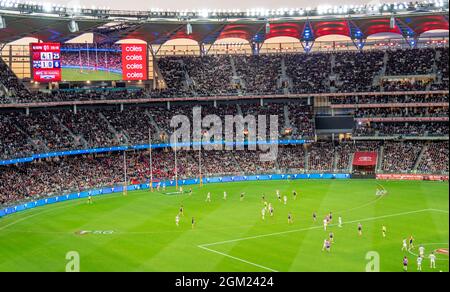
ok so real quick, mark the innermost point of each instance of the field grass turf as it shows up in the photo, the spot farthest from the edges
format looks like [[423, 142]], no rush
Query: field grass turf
[[69, 74], [230, 235]]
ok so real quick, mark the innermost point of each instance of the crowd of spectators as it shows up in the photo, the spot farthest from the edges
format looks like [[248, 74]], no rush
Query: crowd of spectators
[[317, 72], [410, 61], [259, 73], [211, 70], [365, 66], [13, 88], [383, 99], [320, 156], [308, 73], [399, 157], [383, 112], [402, 129], [77, 173], [64, 129], [435, 158], [346, 149]]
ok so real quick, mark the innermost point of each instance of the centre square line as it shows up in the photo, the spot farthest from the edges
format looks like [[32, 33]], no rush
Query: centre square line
[[207, 246]]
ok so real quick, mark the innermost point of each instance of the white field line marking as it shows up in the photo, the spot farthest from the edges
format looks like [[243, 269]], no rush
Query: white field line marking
[[204, 246], [36, 214], [236, 258], [439, 210], [315, 227], [361, 206], [76, 202], [432, 243]]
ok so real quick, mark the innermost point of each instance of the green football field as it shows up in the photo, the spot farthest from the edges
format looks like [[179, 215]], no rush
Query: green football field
[[69, 74], [137, 232]]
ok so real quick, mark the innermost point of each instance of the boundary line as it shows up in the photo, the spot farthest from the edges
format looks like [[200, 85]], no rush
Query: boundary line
[[236, 258]]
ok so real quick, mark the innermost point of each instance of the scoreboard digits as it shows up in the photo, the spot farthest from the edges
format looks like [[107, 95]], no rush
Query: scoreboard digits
[[46, 62]]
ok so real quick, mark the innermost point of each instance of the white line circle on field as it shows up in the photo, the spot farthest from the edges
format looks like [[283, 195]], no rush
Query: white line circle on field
[[432, 243]]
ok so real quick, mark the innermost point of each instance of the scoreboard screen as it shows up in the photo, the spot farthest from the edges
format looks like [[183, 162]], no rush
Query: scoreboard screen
[[46, 61]]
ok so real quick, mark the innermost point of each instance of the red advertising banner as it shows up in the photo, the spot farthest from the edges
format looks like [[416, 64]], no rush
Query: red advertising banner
[[365, 158], [46, 61], [413, 177], [134, 62]]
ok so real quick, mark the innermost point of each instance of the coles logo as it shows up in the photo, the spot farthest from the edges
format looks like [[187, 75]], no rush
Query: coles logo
[[365, 158], [134, 61]]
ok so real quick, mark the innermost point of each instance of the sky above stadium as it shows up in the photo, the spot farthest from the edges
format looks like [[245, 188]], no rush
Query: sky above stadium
[[202, 4]]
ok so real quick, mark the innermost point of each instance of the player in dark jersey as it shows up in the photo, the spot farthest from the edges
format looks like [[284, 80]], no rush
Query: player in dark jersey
[[290, 218], [405, 264], [411, 242], [193, 222], [181, 210], [328, 245]]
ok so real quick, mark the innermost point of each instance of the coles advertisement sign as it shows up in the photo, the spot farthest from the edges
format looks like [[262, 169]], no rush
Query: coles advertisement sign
[[413, 177], [46, 59], [134, 61], [365, 158]]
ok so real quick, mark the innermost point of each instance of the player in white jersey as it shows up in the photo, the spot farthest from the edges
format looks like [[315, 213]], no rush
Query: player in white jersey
[[224, 195], [325, 223], [278, 195], [181, 190], [324, 246], [263, 213], [208, 197], [405, 245], [339, 221], [383, 231], [285, 199], [419, 263], [290, 220], [177, 220], [432, 258], [421, 251]]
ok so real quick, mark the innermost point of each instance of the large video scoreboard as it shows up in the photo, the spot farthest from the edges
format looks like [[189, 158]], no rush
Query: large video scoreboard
[[54, 62], [46, 61]]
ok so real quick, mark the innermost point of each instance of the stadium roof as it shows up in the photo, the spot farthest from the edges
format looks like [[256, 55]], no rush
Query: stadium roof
[[56, 29]]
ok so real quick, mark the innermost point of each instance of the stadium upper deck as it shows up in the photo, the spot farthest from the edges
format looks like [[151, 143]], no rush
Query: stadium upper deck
[[61, 23]]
